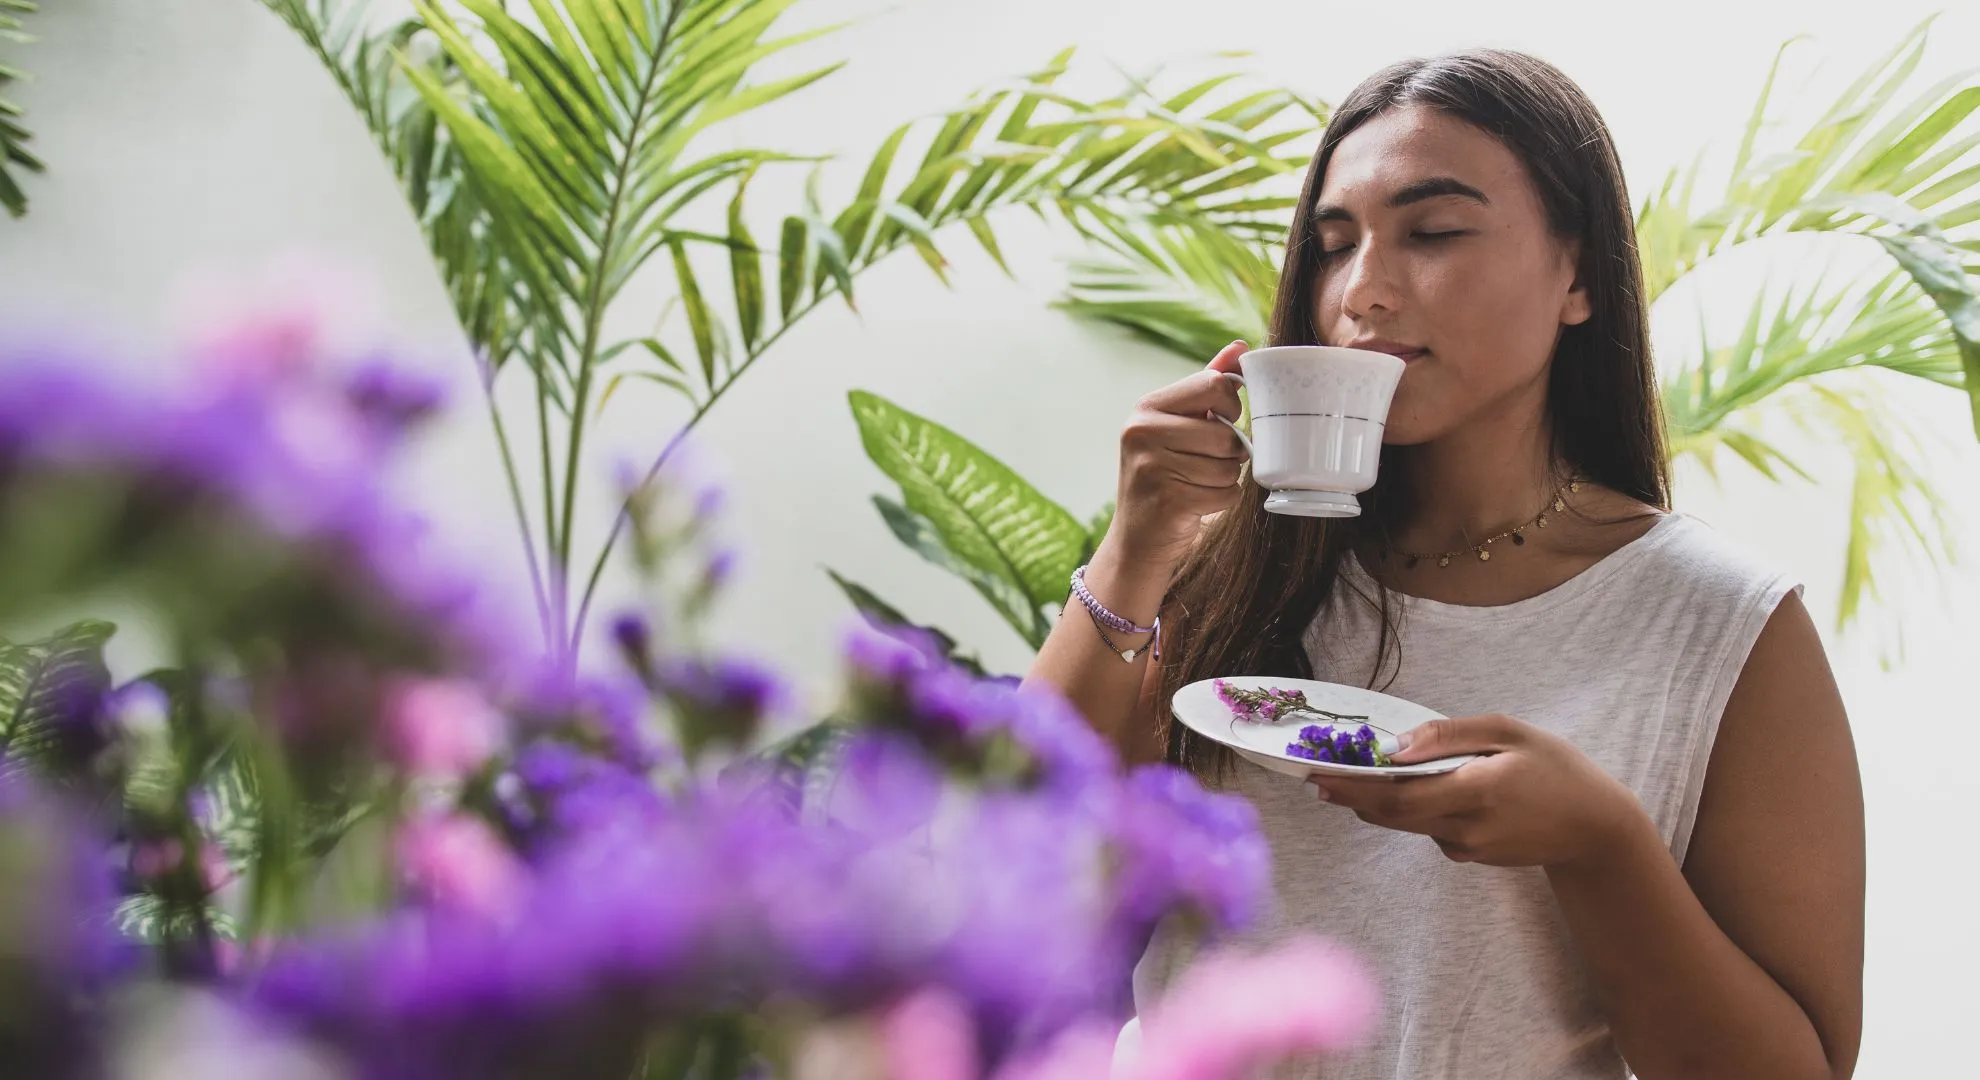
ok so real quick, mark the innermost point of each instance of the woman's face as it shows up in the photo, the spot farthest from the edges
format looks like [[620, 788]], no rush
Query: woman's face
[[1435, 247]]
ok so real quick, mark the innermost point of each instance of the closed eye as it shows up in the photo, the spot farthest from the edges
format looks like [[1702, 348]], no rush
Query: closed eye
[[1329, 254]]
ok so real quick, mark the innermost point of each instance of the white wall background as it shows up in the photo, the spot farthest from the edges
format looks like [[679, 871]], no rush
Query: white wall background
[[192, 138]]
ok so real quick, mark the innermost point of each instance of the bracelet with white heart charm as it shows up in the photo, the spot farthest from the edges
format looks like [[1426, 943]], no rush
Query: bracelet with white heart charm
[[1104, 620]]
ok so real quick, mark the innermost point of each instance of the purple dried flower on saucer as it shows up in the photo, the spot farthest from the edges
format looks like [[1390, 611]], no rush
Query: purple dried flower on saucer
[[1335, 746], [1265, 705]]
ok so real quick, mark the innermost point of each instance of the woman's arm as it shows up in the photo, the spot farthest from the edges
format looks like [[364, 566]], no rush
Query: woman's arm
[[1179, 464], [1749, 963], [1115, 696]]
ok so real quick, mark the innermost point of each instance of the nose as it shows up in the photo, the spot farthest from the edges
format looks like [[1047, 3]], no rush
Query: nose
[[1369, 285]]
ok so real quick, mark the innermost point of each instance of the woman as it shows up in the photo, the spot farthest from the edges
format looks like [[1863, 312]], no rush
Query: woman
[[1659, 867]]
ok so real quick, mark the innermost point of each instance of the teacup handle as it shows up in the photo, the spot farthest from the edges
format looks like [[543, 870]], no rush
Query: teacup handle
[[1232, 424]]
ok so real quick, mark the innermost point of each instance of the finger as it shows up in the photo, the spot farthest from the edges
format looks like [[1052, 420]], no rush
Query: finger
[[1200, 437], [1206, 391], [1159, 431], [1420, 799], [1454, 851], [1204, 472], [1464, 735], [1227, 357]]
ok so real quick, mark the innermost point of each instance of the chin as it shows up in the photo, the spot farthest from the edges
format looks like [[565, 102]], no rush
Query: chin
[[1410, 430]]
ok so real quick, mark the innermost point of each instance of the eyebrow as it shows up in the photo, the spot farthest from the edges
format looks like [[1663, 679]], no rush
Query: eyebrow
[[1435, 187]]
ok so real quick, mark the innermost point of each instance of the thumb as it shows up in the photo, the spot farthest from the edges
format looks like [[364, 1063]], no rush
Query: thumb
[[1227, 357], [1449, 738]]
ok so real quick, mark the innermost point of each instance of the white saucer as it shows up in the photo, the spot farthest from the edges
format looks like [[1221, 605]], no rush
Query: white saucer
[[1264, 743]]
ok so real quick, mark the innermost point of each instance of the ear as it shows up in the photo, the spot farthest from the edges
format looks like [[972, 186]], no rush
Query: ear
[[1575, 308]]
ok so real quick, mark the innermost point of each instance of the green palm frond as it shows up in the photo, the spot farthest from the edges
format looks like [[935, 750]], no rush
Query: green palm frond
[[1885, 160], [551, 155], [1204, 289], [15, 157], [1893, 507], [365, 57], [1808, 359]]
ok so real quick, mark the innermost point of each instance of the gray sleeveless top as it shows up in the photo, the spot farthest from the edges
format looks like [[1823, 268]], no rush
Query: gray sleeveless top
[[1632, 660]]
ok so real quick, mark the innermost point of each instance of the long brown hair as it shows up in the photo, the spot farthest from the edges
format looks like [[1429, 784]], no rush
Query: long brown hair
[[1244, 599]]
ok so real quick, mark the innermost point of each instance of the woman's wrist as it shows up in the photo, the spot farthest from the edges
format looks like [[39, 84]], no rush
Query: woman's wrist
[[1619, 848], [1129, 587]]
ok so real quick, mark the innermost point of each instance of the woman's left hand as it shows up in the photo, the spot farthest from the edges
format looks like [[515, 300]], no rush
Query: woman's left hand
[[1535, 800]]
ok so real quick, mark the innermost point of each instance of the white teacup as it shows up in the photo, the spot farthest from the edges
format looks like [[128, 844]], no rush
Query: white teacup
[[1317, 415]]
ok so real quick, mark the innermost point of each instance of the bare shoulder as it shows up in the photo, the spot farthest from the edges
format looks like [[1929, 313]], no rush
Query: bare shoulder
[[1778, 853]]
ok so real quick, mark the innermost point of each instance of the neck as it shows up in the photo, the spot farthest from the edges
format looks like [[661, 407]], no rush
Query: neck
[[1478, 481]]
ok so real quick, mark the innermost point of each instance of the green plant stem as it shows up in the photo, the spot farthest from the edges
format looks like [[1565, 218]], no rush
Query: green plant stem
[[594, 305], [624, 516], [548, 472], [522, 514]]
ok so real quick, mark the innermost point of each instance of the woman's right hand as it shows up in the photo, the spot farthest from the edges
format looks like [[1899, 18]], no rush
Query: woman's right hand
[[1178, 464]]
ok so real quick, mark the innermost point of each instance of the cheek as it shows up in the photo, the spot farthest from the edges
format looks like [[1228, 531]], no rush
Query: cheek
[[1493, 327]]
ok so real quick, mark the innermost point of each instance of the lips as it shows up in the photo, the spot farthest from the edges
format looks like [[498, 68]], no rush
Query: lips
[[1402, 352]]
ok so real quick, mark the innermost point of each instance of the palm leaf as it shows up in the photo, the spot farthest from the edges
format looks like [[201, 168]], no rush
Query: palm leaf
[[1892, 505], [1884, 160], [984, 515], [15, 157], [1808, 358], [1202, 290], [42, 686]]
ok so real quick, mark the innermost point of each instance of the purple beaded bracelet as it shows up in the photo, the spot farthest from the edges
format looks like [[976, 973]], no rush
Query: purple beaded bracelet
[[1099, 610], [1105, 619]]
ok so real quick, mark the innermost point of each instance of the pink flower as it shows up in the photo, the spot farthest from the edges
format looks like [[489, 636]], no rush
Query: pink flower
[[929, 1036], [231, 956], [152, 860], [440, 727], [284, 320], [1234, 1013], [457, 862], [214, 868], [1084, 1052]]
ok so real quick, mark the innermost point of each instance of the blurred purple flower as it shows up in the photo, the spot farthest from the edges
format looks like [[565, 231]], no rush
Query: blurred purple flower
[[908, 685], [604, 713], [634, 635], [269, 454], [721, 700], [1001, 904], [1182, 846], [884, 786], [391, 399], [720, 569], [57, 892]]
